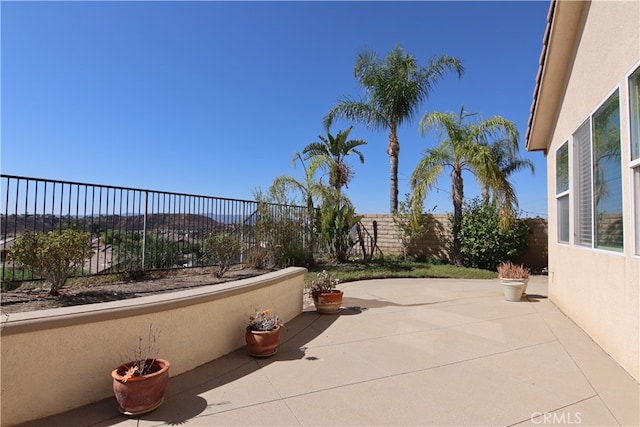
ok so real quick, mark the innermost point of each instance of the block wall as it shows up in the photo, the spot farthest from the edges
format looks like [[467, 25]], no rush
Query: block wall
[[434, 242]]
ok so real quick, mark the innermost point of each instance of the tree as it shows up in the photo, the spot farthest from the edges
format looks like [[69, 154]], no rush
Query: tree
[[54, 255], [505, 155], [464, 146], [309, 188], [395, 88], [332, 153]]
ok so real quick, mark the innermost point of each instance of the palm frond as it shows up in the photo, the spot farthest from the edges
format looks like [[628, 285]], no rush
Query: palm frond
[[425, 175], [355, 112], [330, 154]]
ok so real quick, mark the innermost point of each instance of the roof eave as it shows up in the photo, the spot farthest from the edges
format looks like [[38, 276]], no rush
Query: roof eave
[[564, 22]]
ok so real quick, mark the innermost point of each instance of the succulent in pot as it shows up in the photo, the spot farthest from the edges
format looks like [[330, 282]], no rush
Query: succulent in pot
[[262, 334], [326, 297]]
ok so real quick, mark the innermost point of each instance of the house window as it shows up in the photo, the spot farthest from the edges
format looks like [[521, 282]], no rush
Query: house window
[[634, 121], [634, 97], [598, 195], [607, 173], [562, 192], [582, 155]]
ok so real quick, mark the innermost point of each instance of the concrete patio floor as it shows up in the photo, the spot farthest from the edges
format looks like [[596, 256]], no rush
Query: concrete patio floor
[[425, 352]]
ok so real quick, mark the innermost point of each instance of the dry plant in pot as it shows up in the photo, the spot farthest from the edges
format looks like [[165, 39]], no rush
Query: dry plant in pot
[[515, 278], [262, 334], [139, 384], [326, 297]]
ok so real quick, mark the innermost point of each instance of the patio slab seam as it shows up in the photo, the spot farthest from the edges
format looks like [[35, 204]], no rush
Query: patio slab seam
[[576, 363], [414, 371], [558, 409]]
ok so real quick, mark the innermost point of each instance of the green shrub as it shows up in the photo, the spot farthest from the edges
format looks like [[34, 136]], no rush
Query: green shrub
[[223, 249], [54, 255], [280, 232], [111, 237], [290, 255], [335, 223], [485, 243], [159, 252]]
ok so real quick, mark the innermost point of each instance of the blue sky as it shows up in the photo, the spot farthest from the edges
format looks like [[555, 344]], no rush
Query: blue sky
[[214, 98]]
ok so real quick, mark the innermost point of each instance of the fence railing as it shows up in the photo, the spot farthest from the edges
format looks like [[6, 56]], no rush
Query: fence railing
[[135, 229]]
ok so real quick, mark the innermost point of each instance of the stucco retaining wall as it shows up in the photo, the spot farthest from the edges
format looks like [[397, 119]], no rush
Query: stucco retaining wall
[[56, 360]]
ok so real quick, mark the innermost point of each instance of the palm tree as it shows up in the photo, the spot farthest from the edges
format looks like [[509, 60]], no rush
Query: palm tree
[[464, 146], [309, 188], [332, 152], [505, 155], [395, 87]]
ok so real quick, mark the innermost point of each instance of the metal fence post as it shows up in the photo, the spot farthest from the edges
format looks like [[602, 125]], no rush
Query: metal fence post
[[242, 242], [144, 227]]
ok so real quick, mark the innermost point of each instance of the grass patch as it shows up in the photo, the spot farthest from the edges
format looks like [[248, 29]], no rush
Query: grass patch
[[382, 268]]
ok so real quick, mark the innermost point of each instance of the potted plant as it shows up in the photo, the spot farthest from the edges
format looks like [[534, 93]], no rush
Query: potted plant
[[514, 279], [326, 297], [139, 384], [263, 333]]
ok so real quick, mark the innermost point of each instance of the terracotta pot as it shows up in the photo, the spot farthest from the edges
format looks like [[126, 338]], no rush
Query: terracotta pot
[[328, 302], [139, 395], [262, 343]]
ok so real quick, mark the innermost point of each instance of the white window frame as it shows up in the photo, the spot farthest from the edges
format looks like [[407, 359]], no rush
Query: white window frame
[[578, 238], [634, 165], [588, 122], [563, 197]]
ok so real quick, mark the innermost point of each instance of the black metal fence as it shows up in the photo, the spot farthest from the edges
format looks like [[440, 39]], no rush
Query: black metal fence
[[134, 229]]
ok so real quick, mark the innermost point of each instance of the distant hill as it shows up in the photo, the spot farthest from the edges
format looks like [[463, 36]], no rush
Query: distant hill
[[17, 224]]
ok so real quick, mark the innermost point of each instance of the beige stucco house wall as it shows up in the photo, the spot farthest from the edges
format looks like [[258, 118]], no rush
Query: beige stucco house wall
[[590, 51]]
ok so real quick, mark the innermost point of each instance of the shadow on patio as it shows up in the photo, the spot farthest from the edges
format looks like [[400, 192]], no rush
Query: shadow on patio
[[405, 352]]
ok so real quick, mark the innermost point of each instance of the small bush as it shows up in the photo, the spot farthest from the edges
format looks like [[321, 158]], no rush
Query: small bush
[[280, 231], [159, 252], [257, 257], [54, 255], [410, 223], [485, 243], [223, 249], [290, 255]]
